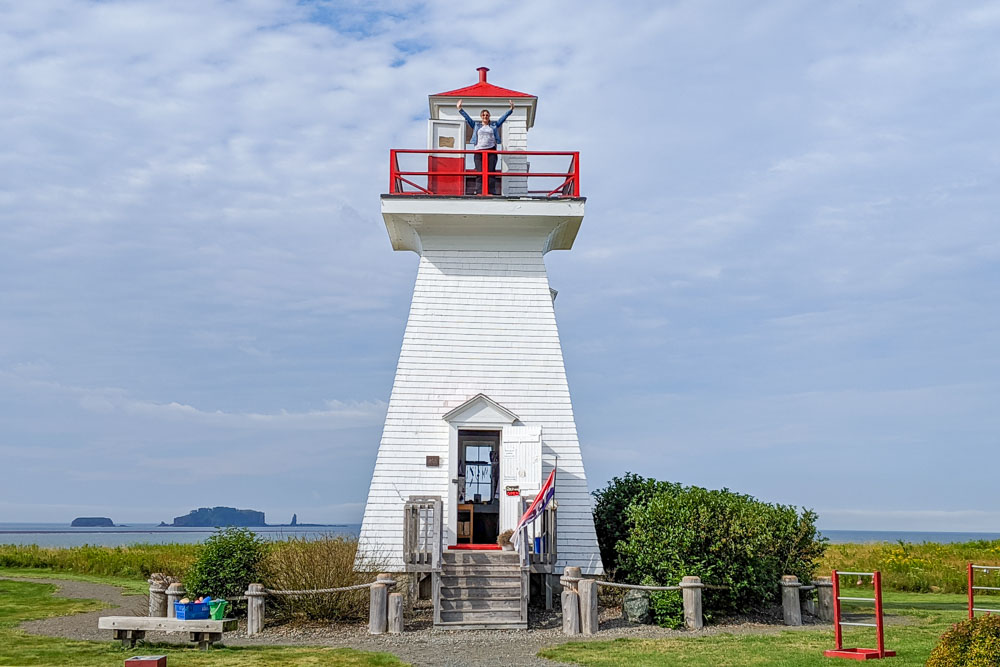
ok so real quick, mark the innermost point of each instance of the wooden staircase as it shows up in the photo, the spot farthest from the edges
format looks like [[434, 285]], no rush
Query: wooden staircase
[[481, 590]]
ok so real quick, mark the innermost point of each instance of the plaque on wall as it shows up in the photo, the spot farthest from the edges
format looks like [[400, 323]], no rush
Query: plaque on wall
[[433, 461], [513, 490]]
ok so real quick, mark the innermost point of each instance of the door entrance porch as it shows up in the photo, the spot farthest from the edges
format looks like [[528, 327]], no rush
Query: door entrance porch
[[478, 498]]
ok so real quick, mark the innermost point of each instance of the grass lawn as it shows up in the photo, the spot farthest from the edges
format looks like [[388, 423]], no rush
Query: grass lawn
[[128, 585], [924, 617], [23, 601]]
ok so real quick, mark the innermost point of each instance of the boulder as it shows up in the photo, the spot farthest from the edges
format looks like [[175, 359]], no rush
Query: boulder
[[635, 606]]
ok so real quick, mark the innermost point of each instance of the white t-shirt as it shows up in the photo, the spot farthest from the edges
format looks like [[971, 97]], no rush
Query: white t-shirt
[[485, 138]]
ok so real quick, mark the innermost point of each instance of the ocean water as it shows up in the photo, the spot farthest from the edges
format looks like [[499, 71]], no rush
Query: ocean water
[[916, 537], [64, 535]]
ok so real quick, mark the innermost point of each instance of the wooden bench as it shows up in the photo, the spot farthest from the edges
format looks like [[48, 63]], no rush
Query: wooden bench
[[130, 629]]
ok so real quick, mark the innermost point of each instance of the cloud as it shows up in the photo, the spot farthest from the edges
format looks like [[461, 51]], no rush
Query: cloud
[[790, 243], [108, 400]]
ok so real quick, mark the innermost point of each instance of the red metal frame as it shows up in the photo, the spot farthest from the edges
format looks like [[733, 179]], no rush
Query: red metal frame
[[838, 635], [570, 187], [972, 589]]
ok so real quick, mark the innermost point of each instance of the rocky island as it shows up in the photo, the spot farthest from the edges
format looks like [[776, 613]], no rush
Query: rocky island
[[220, 516], [92, 522]]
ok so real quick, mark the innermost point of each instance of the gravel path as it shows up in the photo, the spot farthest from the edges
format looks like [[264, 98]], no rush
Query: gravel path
[[419, 645], [84, 626]]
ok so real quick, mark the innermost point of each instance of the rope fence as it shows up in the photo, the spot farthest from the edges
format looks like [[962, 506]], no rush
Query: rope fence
[[385, 611], [579, 600], [580, 613], [632, 587], [322, 591]]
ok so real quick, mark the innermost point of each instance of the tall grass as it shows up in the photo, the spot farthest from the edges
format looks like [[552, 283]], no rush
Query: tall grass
[[919, 568], [292, 564], [136, 561], [329, 562]]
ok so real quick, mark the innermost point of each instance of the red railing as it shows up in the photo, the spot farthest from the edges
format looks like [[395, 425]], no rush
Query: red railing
[[447, 174], [985, 569], [838, 632]]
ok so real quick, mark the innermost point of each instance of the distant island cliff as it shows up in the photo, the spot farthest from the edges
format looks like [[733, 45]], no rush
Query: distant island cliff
[[92, 522], [220, 516]]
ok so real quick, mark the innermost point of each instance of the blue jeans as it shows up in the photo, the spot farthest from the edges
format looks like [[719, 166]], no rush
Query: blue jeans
[[491, 165]]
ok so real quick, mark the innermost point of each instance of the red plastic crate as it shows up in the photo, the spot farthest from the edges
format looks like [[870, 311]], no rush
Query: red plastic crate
[[147, 661]]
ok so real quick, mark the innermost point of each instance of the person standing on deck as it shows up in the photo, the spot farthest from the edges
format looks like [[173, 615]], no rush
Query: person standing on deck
[[486, 134]]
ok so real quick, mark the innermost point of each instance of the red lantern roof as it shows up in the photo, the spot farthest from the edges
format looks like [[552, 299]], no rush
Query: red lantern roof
[[483, 89]]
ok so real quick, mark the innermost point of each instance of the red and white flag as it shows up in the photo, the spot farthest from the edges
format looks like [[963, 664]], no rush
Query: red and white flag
[[542, 500]]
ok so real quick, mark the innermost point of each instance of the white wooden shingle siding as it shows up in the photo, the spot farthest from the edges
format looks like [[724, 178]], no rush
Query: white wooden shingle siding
[[481, 322], [515, 138]]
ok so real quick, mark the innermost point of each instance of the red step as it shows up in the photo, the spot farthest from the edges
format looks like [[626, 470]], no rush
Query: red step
[[474, 547]]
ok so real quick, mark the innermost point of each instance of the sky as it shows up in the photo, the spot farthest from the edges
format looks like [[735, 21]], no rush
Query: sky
[[786, 283]]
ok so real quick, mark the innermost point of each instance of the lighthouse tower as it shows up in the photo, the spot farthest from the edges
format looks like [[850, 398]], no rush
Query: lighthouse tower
[[480, 411]]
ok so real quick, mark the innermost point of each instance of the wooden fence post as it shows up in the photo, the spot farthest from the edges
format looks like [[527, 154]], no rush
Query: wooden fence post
[[589, 622], [691, 593], [255, 609], [570, 600], [791, 607], [824, 598], [157, 596], [395, 613], [377, 610], [570, 612], [175, 592]]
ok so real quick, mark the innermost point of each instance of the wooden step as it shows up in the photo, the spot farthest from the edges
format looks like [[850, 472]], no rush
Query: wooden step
[[508, 603], [480, 582], [480, 557], [481, 616], [481, 571], [479, 592], [472, 625]]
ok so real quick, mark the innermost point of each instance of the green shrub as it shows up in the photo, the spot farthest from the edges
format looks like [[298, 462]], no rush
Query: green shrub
[[298, 564], [974, 642], [229, 562], [610, 506], [726, 538]]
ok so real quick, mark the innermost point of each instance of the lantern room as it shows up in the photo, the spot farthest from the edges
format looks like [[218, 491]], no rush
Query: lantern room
[[457, 162]]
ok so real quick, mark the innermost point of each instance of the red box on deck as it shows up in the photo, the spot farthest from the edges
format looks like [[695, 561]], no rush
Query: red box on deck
[[147, 661]]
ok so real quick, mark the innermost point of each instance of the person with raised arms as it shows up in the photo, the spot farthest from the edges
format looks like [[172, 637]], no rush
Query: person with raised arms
[[486, 135]]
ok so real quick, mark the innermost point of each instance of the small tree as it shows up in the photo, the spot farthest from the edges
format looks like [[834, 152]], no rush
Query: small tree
[[229, 562], [610, 512], [728, 539]]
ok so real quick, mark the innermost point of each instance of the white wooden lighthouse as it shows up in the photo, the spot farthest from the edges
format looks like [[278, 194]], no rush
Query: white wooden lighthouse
[[480, 410]]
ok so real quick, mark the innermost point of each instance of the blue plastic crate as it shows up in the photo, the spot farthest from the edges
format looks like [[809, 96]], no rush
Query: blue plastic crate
[[192, 611]]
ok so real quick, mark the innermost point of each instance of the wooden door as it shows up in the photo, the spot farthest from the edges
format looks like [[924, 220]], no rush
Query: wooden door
[[446, 134]]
